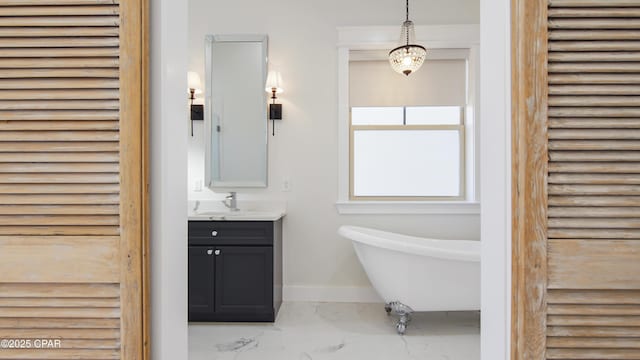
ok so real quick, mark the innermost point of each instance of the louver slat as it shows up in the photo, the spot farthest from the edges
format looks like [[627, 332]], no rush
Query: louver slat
[[593, 225]]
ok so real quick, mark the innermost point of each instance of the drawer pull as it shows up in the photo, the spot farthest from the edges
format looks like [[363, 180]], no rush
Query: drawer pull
[[217, 252], [209, 252], [214, 233]]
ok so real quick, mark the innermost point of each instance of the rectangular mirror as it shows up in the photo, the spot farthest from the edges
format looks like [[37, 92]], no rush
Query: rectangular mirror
[[236, 111]]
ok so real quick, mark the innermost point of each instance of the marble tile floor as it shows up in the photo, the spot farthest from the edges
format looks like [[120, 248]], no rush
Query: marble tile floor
[[339, 331]]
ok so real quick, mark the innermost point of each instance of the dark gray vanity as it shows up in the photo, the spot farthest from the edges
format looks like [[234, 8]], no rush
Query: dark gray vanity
[[235, 270]]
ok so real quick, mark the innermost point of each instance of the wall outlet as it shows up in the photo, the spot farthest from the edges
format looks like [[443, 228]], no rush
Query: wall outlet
[[286, 184], [197, 185]]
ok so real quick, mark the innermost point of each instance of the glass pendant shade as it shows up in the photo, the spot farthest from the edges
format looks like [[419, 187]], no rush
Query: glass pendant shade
[[407, 58]]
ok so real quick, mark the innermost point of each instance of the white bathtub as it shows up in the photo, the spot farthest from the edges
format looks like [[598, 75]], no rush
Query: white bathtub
[[421, 274]]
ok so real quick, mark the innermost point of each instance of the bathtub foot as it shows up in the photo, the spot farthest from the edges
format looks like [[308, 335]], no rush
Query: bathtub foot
[[401, 328], [404, 320], [405, 315]]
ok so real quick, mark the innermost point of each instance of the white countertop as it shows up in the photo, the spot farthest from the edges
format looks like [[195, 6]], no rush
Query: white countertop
[[248, 211]]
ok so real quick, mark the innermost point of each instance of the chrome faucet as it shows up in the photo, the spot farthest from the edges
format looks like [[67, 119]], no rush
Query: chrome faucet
[[231, 201]]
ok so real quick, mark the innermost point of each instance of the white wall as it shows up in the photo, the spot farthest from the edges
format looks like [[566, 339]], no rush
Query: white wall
[[302, 44]]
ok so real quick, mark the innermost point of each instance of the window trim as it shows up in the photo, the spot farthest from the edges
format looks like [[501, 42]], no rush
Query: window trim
[[464, 37], [462, 180]]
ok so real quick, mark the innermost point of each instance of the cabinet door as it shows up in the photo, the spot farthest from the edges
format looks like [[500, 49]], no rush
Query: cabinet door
[[244, 279], [201, 287]]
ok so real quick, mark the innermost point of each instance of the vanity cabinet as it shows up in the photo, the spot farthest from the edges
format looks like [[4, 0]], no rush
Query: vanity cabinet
[[235, 270]]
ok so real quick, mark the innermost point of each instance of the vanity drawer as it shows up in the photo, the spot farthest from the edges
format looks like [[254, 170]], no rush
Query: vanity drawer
[[230, 232]]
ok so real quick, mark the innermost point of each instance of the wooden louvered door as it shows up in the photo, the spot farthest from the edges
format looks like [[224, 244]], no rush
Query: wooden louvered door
[[576, 179], [72, 200]]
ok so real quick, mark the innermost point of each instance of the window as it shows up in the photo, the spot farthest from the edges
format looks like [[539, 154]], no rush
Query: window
[[408, 145], [407, 152], [407, 134]]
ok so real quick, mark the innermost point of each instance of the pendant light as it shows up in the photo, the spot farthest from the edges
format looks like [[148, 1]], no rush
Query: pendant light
[[407, 57]]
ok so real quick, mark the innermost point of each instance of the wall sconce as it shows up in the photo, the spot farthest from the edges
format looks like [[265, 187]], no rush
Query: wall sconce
[[274, 86], [197, 111]]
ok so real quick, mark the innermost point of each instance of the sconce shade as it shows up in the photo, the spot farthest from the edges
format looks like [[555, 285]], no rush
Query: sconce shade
[[408, 57], [193, 79], [274, 80]]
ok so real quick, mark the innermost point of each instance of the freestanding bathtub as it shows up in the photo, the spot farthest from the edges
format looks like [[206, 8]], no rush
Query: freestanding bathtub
[[417, 274]]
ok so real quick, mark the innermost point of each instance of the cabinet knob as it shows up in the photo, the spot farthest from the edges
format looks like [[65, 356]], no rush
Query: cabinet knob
[[217, 252], [214, 233], [209, 252]]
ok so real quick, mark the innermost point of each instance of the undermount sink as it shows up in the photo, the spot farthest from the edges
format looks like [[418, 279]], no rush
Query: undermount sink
[[212, 210], [236, 215]]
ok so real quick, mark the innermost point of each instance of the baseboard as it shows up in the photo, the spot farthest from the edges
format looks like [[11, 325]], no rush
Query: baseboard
[[330, 294]]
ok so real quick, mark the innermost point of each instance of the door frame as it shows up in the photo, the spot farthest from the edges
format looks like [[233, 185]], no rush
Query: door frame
[[169, 132], [169, 24], [495, 177]]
